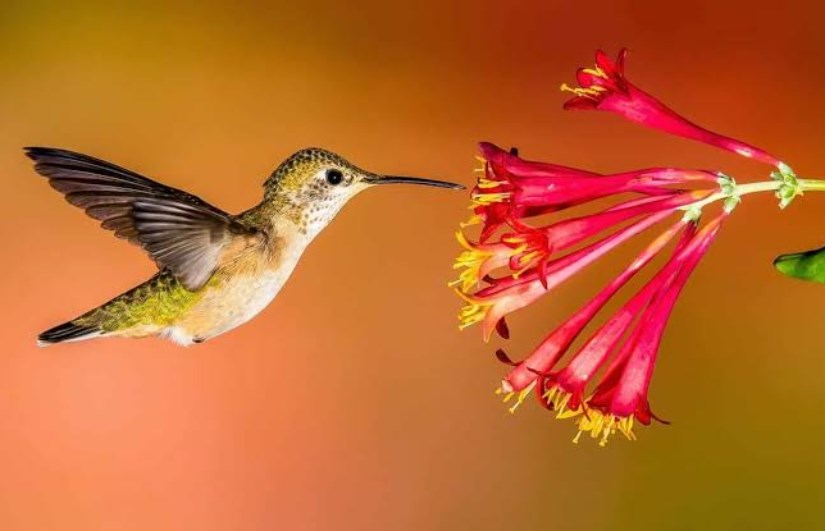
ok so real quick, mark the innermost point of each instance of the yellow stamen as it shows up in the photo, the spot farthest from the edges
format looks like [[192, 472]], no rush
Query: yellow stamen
[[475, 219], [504, 387], [488, 183], [490, 198], [472, 259], [601, 426], [473, 312], [463, 241], [467, 280], [595, 71], [526, 260], [522, 395], [513, 239], [559, 400], [591, 92], [482, 167]]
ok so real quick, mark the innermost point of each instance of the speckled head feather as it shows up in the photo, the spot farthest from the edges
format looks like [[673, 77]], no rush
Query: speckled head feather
[[311, 186], [293, 171]]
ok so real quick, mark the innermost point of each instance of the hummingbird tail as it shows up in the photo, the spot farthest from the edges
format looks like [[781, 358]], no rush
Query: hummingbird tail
[[69, 331]]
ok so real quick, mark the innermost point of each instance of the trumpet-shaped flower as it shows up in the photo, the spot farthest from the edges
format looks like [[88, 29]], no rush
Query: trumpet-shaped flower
[[514, 189], [605, 87]]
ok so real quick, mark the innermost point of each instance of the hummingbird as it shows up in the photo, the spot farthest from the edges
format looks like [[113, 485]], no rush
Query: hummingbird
[[216, 270]]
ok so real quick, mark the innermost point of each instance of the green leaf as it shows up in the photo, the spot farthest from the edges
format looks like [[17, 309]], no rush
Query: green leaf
[[807, 265]]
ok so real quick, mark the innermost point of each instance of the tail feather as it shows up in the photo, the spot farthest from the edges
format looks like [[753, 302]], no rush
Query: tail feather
[[67, 332]]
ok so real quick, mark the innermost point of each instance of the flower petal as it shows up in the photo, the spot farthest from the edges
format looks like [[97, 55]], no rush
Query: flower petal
[[606, 88]]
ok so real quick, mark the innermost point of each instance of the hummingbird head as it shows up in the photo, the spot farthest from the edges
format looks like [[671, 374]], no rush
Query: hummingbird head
[[312, 185]]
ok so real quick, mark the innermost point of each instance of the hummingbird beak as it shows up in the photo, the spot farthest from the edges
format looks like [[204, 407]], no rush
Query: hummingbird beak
[[397, 179]]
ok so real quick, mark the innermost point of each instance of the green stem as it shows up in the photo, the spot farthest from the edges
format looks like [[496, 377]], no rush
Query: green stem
[[804, 185], [811, 185]]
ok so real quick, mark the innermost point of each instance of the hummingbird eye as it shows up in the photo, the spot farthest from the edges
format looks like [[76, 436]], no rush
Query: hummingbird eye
[[335, 177]]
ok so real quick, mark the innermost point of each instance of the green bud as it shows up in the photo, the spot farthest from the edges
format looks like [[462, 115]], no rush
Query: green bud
[[692, 213], [731, 202]]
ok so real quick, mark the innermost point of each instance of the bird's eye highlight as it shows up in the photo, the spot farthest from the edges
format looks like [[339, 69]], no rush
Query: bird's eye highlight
[[334, 177]]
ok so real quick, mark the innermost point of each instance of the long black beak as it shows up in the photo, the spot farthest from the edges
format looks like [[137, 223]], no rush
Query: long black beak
[[397, 179]]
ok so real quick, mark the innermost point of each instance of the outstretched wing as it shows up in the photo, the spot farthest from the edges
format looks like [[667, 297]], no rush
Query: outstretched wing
[[180, 231]]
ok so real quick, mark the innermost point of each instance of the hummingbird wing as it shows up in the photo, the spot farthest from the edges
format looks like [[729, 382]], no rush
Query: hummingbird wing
[[180, 231]]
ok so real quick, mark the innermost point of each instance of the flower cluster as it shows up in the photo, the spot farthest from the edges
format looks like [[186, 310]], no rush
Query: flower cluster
[[532, 240]]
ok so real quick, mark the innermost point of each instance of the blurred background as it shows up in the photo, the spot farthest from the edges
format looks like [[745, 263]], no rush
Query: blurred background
[[353, 402]]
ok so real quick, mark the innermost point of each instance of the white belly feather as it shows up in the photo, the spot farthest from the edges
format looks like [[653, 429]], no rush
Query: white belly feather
[[223, 308]]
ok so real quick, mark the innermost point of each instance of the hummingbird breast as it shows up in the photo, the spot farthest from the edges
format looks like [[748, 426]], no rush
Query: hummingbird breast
[[236, 293]]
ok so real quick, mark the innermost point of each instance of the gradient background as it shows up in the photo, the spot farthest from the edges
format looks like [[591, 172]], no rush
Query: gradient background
[[353, 402]]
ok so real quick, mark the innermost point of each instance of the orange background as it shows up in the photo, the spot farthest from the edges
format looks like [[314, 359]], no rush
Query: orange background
[[353, 402]]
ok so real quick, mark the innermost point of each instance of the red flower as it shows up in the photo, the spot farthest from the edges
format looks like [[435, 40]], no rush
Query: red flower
[[514, 189], [530, 243], [605, 88]]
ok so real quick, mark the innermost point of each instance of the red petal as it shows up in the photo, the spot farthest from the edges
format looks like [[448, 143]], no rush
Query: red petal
[[655, 417], [580, 103], [542, 269], [488, 230], [491, 152], [620, 61], [586, 78], [604, 62], [504, 358], [502, 329], [643, 416], [541, 390]]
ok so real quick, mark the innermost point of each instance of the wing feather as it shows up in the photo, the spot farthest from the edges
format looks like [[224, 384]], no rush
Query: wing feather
[[178, 230]]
